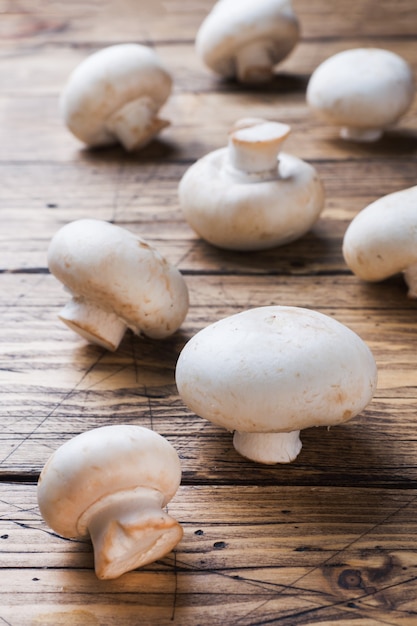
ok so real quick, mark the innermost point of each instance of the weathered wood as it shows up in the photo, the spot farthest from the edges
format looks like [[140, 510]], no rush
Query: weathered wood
[[54, 385], [125, 192], [298, 555], [43, 137], [170, 20], [328, 539]]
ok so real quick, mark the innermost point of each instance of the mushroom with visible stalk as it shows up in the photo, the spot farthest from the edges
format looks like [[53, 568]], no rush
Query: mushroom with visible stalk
[[363, 91], [381, 240], [114, 96], [117, 281], [246, 39], [112, 483], [269, 372], [249, 195]]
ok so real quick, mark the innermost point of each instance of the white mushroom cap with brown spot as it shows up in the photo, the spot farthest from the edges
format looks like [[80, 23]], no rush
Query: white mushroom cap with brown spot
[[276, 369], [116, 279]]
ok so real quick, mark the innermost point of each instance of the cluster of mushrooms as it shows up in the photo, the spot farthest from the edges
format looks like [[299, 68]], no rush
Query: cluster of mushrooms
[[255, 373]]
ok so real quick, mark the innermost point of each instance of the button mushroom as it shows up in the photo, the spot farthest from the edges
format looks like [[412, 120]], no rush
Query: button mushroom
[[268, 372], [382, 239], [112, 483], [114, 96], [117, 281], [363, 91], [247, 39], [245, 196]]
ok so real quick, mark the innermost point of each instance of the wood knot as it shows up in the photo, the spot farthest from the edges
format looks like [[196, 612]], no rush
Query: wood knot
[[350, 579]]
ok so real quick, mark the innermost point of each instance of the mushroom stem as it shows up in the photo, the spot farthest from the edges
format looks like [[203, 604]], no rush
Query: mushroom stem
[[129, 529], [410, 277], [254, 63], [366, 135], [135, 124], [93, 323], [254, 149], [268, 448]]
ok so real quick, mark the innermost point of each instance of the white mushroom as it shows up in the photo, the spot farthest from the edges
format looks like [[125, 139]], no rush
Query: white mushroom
[[269, 372], [363, 91], [112, 483], [114, 96], [249, 196], [117, 281], [382, 239], [246, 39]]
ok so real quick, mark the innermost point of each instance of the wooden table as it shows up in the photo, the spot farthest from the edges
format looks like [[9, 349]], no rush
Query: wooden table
[[329, 539]]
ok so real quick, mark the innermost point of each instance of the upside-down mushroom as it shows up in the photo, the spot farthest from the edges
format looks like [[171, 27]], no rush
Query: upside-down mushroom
[[249, 195]]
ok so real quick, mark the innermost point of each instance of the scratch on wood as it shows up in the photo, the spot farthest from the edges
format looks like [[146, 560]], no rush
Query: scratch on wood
[[150, 408], [118, 184], [175, 587], [292, 586], [66, 396]]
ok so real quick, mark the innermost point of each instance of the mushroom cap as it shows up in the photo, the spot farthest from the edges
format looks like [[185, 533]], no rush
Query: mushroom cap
[[232, 25], [120, 273], [276, 369], [237, 212], [100, 463], [381, 240], [361, 88], [106, 81]]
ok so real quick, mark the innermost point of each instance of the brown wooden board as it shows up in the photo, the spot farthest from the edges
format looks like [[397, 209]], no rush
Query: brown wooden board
[[328, 539]]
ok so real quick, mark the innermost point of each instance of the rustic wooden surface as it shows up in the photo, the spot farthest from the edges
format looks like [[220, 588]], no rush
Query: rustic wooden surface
[[329, 539]]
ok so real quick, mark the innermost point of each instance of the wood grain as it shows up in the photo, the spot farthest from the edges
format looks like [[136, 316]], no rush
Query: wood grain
[[326, 540], [294, 555]]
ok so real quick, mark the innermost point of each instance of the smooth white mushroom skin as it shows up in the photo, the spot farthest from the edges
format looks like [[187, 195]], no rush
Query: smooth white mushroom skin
[[272, 370], [117, 281], [246, 40], [112, 483], [249, 195], [115, 95], [363, 91], [381, 240]]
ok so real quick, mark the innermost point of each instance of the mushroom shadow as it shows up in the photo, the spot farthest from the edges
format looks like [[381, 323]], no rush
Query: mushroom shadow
[[285, 259], [157, 150], [139, 363], [391, 294], [281, 83], [393, 143]]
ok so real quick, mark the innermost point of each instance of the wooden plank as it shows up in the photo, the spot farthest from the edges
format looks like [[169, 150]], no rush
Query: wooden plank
[[364, 452], [52, 63], [42, 136], [311, 555], [143, 198], [326, 540], [105, 21], [54, 385]]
